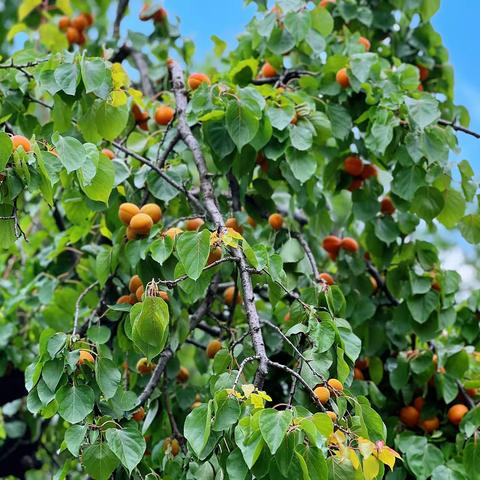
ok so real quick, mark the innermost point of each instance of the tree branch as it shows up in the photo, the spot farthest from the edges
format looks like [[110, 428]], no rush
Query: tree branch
[[142, 66], [381, 284], [458, 128], [77, 308], [121, 9], [308, 253]]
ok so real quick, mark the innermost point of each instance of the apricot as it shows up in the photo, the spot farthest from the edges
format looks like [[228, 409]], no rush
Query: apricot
[[456, 413], [153, 211], [138, 115], [139, 293], [80, 23], [89, 18], [127, 211], [323, 394], [73, 35], [139, 414], [144, 367], [342, 78], [386, 206], [160, 15], [141, 223], [350, 244], [419, 403], [228, 296], [420, 88], [164, 115], [173, 232], [472, 392], [362, 363], [287, 317], [332, 415], [365, 42], [424, 72], [268, 71], [21, 141], [82, 39], [409, 416], [173, 445], [373, 283], [131, 234], [325, 3], [134, 283], [369, 171], [335, 384], [276, 221], [63, 23], [358, 374], [183, 375], [164, 296], [333, 256], [123, 299], [294, 119], [332, 243], [262, 162], [196, 405], [85, 356], [355, 184], [430, 425], [108, 153], [193, 224], [251, 221], [327, 278], [215, 255], [133, 299], [196, 79], [233, 224], [213, 348], [353, 165]]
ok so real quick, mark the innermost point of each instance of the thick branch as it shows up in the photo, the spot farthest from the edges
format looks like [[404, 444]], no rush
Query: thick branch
[[121, 9]]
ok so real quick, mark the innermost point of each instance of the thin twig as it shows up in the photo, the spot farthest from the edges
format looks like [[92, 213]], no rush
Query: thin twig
[[308, 253], [467, 397], [241, 367], [168, 408], [381, 284], [458, 128], [121, 9], [77, 307]]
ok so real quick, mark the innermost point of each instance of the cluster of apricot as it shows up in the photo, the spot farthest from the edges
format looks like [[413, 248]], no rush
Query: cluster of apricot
[[332, 245], [360, 365], [139, 221], [76, 27], [323, 394], [163, 116], [354, 166], [137, 290]]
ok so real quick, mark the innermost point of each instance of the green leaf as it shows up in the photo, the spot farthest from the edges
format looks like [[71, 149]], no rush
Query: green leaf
[[298, 24], [236, 467], [52, 372], [7, 227], [249, 440], [99, 461], [471, 459], [227, 408], [128, 445], [301, 137], [74, 437], [75, 402], [421, 306], [423, 112], [428, 203], [193, 249], [244, 71], [110, 121], [274, 426], [361, 65], [161, 249], [340, 119], [242, 125], [322, 21], [454, 208], [95, 76], [71, 152], [108, 377], [197, 427], [302, 164], [470, 228], [66, 76], [6, 149], [102, 184], [26, 7], [428, 9]]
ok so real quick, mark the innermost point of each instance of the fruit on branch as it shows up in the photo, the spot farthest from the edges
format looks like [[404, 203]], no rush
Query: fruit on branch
[[268, 71], [325, 3], [327, 278], [127, 211], [262, 162], [350, 244], [251, 221], [355, 184], [362, 363], [456, 413], [153, 211], [342, 78], [233, 224], [183, 375], [124, 299], [353, 165], [63, 23], [424, 73], [139, 414], [323, 394], [228, 296], [139, 293], [215, 255], [358, 374], [335, 384], [80, 23], [409, 416], [193, 224], [173, 232], [164, 114], [419, 403], [332, 415], [144, 367], [172, 445], [332, 243], [85, 356], [134, 283], [196, 79], [21, 141], [365, 42], [472, 392], [131, 234], [213, 348], [160, 15], [163, 295], [386, 206], [276, 221], [141, 223], [108, 153], [369, 171], [430, 425]]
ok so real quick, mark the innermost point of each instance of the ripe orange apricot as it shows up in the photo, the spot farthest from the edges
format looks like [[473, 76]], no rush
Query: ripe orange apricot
[[153, 211], [386, 206], [353, 165], [164, 115], [134, 283], [358, 374], [141, 223], [323, 394], [362, 363], [430, 425], [350, 244], [332, 415], [133, 299], [139, 414], [144, 367], [85, 356], [131, 234], [139, 293], [124, 299], [456, 413], [193, 224], [183, 375], [424, 73], [369, 171], [365, 42], [127, 211], [21, 141], [196, 79], [173, 445], [355, 184], [213, 348], [276, 221], [419, 403], [327, 278], [333, 255], [73, 35], [215, 255], [332, 243], [63, 23], [89, 18], [232, 223], [164, 296], [268, 71], [335, 384], [342, 78], [108, 153], [324, 3], [173, 232], [472, 392], [228, 296], [138, 115], [80, 23], [409, 416]]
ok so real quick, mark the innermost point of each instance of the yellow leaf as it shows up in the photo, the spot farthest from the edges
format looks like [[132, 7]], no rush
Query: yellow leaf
[[248, 390], [137, 96], [118, 98], [256, 400], [265, 396], [119, 77], [233, 392], [353, 458], [26, 7], [387, 456], [17, 28], [65, 7], [371, 467], [104, 229], [365, 446]]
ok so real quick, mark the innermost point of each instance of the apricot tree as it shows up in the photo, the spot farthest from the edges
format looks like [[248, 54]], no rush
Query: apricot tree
[[228, 274]]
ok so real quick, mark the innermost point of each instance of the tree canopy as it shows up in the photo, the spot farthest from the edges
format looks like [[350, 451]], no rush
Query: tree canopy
[[232, 272]]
